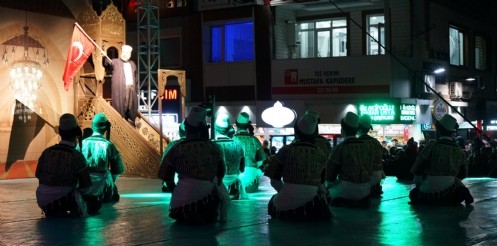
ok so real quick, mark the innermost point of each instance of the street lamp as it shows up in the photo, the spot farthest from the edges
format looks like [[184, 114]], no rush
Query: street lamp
[[439, 70]]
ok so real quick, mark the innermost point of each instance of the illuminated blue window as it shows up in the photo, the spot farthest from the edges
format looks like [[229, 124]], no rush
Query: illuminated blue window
[[232, 42]]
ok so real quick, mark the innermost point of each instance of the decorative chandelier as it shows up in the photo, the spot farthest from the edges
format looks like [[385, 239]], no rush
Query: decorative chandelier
[[26, 71]]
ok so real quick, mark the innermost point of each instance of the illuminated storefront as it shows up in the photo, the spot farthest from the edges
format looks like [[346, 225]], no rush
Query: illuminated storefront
[[273, 120], [392, 120], [389, 113]]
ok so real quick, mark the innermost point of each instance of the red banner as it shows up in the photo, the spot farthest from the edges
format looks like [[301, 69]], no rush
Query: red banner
[[80, 49]]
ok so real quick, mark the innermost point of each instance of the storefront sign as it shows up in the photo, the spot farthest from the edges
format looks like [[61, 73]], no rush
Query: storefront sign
[[170, 94], [319, 77], [440, 108], [315, 78], [407, 113], [426, 127], [492, 126], [389, 113], [144, 95], [171, 100], [379, 112]]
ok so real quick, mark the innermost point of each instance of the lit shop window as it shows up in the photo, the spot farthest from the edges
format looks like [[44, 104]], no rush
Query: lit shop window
[[323, 38], [456, 46], [376, 28], [232, 42], [480, 53]]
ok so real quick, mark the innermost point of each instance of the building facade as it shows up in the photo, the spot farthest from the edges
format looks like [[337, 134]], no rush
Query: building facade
[[369, 56], [340, 55]]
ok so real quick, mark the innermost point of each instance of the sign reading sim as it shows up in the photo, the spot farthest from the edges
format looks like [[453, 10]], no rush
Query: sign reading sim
[[170, 94]]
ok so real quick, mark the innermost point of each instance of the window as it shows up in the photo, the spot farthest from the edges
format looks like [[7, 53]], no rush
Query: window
[[456, 47], [323, 38], [480, 53], [232, 42], [376, 29]]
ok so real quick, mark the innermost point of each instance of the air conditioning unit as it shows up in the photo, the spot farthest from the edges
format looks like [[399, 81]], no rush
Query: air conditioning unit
[[455, 90], [422, 86]]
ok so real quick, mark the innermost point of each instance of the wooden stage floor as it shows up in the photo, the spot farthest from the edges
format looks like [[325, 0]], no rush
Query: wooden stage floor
[[141, 218]]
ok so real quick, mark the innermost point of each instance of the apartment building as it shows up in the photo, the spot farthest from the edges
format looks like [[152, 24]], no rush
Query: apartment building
[[359, 55]]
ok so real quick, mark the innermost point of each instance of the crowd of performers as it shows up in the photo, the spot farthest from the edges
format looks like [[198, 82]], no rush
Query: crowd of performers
[[204, 175], [308, 175], [77, 175], [207, 168]]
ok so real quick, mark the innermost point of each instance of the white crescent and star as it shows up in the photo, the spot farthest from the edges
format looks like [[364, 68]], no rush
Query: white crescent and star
[[79, 46]]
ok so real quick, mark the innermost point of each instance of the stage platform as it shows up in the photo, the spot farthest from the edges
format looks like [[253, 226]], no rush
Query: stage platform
[[141, 218]]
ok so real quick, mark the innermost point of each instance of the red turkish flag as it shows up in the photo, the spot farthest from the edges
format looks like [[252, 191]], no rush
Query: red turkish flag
[[80, 49]]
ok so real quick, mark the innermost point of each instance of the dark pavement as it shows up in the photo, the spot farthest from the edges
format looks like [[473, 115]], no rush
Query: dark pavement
[[141, 218]]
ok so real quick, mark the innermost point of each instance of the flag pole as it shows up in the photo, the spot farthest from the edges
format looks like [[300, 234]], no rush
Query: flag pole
[[96, 45]]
